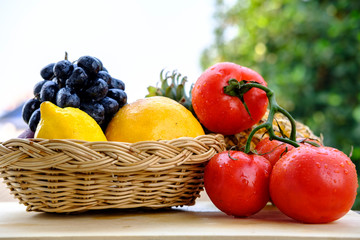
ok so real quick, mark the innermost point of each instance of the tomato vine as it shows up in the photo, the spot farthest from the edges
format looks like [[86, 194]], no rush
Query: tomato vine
[[238, 89]]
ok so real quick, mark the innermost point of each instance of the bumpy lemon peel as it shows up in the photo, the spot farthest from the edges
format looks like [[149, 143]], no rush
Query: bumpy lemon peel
[[152, 119], [67, 123]]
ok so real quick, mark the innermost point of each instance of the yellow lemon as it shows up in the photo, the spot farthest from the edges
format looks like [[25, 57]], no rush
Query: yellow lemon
[[67, 123], [153, 118]]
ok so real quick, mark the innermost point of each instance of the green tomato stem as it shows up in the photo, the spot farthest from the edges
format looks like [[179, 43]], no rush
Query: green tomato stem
[[238, 89]]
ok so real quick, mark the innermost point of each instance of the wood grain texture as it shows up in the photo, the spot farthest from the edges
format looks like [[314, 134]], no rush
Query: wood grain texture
[[201, 221]]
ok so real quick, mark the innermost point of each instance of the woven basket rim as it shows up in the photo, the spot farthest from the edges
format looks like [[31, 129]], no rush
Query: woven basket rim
[[83, 141], [108, 156]]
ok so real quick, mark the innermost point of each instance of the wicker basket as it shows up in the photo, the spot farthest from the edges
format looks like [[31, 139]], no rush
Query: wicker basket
[[67, 176]]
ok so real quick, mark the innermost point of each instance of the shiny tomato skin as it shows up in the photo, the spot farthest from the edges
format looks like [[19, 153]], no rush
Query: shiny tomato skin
[[222, 113], [239, 187], [314, 184], [273, 150]]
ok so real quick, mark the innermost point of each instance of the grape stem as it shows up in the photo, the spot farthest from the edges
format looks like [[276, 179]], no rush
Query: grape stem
[[238, 89]]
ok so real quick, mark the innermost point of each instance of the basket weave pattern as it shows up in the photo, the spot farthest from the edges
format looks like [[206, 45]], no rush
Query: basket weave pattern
[[74, 176]]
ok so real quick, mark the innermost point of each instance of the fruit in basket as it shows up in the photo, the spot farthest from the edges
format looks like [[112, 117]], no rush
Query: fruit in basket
[[83, 84], [47, 72], [49, 91], [173, 85], [314, 184], [27, 133], [153, 118], [34, 120], [28, 108], [67, 123], [218, 104]]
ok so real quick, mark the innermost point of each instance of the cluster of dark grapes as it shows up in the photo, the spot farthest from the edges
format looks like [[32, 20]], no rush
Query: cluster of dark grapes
[[84, 84]]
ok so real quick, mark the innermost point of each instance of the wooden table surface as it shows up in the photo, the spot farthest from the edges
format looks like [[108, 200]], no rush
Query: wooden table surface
[[202, 221]]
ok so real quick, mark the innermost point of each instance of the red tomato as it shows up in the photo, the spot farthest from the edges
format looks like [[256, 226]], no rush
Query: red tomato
[[272, 150], [222, 113], [238, 187], [314, 184]]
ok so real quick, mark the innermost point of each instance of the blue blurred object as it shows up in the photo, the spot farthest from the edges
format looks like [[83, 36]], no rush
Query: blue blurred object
[[15, 117]]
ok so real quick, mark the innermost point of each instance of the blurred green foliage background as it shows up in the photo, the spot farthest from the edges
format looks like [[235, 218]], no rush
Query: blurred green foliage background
[[308, 52]]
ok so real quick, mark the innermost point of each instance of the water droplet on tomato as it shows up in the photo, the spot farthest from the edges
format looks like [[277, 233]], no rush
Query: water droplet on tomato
[[336, 171], [342, 165], [346, 171], [334, 180], [318, 164], [326, 166], [245, 181]]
